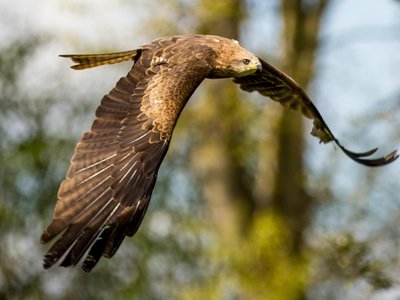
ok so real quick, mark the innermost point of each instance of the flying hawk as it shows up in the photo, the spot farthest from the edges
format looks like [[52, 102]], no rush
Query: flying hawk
[[114, 168]]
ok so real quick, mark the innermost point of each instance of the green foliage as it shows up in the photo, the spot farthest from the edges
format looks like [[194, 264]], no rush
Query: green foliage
[[259, 265], [180, 251], [351, 260]]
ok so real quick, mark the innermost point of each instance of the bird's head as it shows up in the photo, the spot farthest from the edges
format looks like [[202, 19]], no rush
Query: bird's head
[[232, 60]]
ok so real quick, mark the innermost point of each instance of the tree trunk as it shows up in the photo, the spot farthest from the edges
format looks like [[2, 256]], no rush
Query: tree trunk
[[225, 186], [301, 24]]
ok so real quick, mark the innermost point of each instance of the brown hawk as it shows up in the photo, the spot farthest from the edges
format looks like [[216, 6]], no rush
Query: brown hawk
[[114, 168]]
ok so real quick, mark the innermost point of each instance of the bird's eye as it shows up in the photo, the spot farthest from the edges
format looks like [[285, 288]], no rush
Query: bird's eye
[[246, 61]]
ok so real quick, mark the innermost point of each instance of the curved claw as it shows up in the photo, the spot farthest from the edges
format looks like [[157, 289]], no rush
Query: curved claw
[[376, 162]]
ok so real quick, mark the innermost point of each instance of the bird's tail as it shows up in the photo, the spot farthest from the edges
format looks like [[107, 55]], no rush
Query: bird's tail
[[85, 61]]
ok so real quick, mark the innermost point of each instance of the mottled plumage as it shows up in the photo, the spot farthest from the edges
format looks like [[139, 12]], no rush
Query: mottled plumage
[[114, 168]]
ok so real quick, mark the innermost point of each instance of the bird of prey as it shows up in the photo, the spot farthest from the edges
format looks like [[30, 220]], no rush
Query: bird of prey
[[114, 168]]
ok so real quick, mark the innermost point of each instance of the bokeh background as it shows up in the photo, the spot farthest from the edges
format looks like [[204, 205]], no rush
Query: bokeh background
[[247, 205]]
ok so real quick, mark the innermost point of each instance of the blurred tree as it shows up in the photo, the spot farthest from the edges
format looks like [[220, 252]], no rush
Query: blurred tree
[[27, 178], [245, 240], [221, 143], [221, 158], [301, 26]]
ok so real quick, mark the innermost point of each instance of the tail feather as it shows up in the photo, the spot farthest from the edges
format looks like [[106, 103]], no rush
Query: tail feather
[[85, 61]]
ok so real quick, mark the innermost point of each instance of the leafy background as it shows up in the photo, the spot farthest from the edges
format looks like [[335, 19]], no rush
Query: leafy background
[[247, 205]]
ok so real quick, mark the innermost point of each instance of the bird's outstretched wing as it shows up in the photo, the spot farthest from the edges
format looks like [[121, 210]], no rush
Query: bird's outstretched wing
[[110, 180], [114, 168], [279, 87]]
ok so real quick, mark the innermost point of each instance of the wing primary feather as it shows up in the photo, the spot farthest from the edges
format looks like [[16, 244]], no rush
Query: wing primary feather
[[377, 162], [89, 233], [96, 250], [363, 154], [71, 237]]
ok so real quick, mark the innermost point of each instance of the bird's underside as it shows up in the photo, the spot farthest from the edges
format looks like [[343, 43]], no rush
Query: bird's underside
[[114, 168]]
